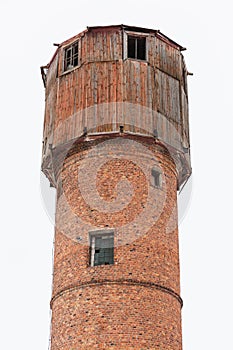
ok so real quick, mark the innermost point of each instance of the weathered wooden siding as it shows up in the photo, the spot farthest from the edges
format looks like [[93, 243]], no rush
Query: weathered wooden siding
[[95, 46], [168, 96], [106, 91], [103, 95], [102, 46], [51, 103], [168, 59], [185, 120], [51, 77]]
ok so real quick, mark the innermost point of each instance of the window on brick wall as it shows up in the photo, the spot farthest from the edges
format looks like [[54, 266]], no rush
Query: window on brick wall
[[71, 56], [156, 177], [136, 47], [102, 248]]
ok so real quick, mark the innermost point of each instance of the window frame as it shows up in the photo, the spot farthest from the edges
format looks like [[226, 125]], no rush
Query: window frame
[[71, 46], [135, 46], [92, 245], [136, 35]]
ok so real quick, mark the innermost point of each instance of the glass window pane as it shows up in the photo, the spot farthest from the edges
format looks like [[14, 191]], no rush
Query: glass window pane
[[104, 249], [71, 56], [141, 48], [131, 47]]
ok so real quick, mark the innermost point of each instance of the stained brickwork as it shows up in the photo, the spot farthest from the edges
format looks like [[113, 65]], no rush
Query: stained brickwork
[[116, 316], [134, 302]]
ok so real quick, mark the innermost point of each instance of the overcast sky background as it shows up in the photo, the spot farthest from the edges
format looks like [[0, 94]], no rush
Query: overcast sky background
[[28, 30]]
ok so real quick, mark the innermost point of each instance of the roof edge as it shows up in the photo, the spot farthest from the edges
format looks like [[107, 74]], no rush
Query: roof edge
[[123, 27], [157, 32]]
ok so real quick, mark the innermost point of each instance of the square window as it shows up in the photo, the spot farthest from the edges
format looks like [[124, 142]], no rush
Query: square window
[[101, 248], [137, 47], [71, 57]]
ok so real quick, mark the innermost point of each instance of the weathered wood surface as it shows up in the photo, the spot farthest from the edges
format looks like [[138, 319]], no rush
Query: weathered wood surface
[[106, 91], [100, 95]]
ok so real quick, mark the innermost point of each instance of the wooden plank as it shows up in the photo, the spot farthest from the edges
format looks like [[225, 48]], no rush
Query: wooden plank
[[121, 92]]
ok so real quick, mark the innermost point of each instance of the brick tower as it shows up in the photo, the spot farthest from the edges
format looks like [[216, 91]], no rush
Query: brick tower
[[116, 148]]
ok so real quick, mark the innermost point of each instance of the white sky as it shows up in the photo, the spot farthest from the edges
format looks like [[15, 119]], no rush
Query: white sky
[[28, 30]]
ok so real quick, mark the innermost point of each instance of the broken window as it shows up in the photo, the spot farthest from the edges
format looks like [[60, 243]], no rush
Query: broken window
[[71, 58], [102, 248], [156, 178], [137, 47]]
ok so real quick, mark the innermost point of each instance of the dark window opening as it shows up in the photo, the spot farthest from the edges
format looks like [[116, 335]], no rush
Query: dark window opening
[[102, 249], [137, 47], [71, 57], [156, 178]]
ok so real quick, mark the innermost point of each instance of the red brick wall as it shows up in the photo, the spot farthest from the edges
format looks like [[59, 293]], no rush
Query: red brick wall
[[116, 316], [135, 302]]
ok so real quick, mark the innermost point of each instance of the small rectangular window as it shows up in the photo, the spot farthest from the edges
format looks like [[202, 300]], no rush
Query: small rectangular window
[[71, 58], [137, 47], [102, 248], [156, 178]]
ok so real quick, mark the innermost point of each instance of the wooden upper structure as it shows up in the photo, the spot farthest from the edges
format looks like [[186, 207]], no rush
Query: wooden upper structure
[[116, 79]]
